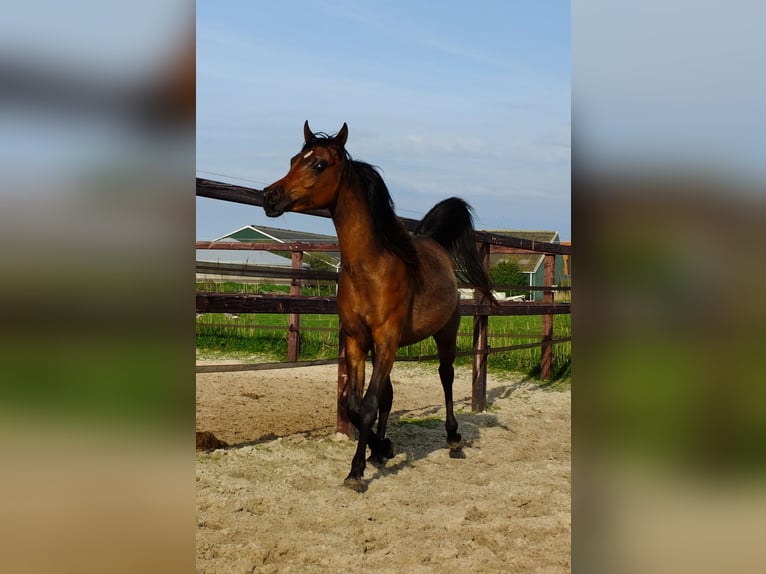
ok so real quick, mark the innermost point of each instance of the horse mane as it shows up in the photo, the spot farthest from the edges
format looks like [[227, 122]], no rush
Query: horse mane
[[393, 235]]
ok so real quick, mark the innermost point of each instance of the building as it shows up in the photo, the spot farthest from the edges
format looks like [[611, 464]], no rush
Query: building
[[243, 265], [531, 264]]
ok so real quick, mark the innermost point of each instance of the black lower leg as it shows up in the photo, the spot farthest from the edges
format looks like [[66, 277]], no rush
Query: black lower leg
[[366, 420], [447, 375], [383, 449], [353, 406]]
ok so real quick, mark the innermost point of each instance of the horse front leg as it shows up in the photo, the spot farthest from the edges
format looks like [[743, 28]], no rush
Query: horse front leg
[[356, 355], [368, 412], [385, 448], [382, 448]]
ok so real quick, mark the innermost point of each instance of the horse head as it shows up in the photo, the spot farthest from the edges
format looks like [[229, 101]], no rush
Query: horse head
[[314, 176]]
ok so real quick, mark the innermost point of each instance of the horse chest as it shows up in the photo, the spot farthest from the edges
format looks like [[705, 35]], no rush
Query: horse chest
[[375, 286], [369, 299]]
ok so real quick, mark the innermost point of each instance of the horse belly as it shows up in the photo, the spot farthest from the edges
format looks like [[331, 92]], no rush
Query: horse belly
[[430, 312]]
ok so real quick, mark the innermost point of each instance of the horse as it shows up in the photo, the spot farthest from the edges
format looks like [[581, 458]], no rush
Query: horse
[[394, 288]]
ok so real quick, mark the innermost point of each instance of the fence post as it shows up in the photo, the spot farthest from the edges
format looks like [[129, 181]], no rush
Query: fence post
[[342, 424], [480, 345], [294, 333], [546, 350]]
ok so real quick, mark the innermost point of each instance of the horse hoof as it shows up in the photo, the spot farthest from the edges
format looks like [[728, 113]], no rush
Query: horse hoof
[[387, 448], [455, 443], [355, 484], [376, 459], [383, 451]]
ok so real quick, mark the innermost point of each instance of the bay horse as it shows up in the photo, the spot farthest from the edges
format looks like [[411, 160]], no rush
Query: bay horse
[[394, 289]]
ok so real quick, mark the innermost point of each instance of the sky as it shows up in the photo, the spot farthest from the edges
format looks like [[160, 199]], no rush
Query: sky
[[445, 100]]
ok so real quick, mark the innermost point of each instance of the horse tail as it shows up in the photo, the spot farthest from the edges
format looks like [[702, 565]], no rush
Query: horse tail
[[450, 223]]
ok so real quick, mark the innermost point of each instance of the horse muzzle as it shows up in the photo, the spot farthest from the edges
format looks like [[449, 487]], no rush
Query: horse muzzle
[[275, 201]]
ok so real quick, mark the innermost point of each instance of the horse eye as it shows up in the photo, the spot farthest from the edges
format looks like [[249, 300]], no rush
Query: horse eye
[[319, 165]]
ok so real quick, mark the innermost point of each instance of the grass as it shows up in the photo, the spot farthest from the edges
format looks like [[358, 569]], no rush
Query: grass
[[265, 336], [321, 288]]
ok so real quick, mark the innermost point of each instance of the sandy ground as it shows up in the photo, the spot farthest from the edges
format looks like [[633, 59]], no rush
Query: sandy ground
[[274, 501]]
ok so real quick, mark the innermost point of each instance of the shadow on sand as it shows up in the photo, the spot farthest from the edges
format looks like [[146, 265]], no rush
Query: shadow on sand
[[418, 433]]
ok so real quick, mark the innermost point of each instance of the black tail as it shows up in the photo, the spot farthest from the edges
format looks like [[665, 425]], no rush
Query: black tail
[[450, 223]]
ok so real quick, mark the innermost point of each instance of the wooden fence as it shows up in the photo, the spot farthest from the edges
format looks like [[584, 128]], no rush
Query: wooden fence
[[295, 304]]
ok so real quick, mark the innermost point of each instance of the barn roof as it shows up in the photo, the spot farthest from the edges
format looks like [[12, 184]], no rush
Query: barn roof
[[263, 233], [547, 236]]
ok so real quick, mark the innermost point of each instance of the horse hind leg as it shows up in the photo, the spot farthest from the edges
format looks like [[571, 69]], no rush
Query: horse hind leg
[[446, 343], [454, 438]]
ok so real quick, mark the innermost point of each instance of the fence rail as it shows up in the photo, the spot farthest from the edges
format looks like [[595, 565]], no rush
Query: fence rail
[[250, 196], [296, 304], [306, 304], [272, 272]]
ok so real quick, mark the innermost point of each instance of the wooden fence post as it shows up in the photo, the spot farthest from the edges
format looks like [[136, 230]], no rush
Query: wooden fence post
[[480, 345], [342, 424], [546, 350], [294, 333]]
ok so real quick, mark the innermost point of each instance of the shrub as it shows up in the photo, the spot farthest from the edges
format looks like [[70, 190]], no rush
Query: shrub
[[508, 273]]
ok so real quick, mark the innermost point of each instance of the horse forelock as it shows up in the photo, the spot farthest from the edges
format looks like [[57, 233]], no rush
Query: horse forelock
[[322, 139]]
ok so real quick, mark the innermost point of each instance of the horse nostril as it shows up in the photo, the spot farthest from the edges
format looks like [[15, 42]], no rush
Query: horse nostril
[[272, 195]]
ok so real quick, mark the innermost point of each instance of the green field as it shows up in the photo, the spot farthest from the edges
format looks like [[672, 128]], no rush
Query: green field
[[264, 336]]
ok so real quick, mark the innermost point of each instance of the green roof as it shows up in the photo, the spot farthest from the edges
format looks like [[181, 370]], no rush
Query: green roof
[[248, 234], [261, 233]]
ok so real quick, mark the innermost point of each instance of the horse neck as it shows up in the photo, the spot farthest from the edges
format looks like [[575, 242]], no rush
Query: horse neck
[[353, 222]]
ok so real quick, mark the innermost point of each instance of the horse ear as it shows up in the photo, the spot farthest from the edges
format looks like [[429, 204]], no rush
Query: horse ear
[[307, 134], [342, 135]]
